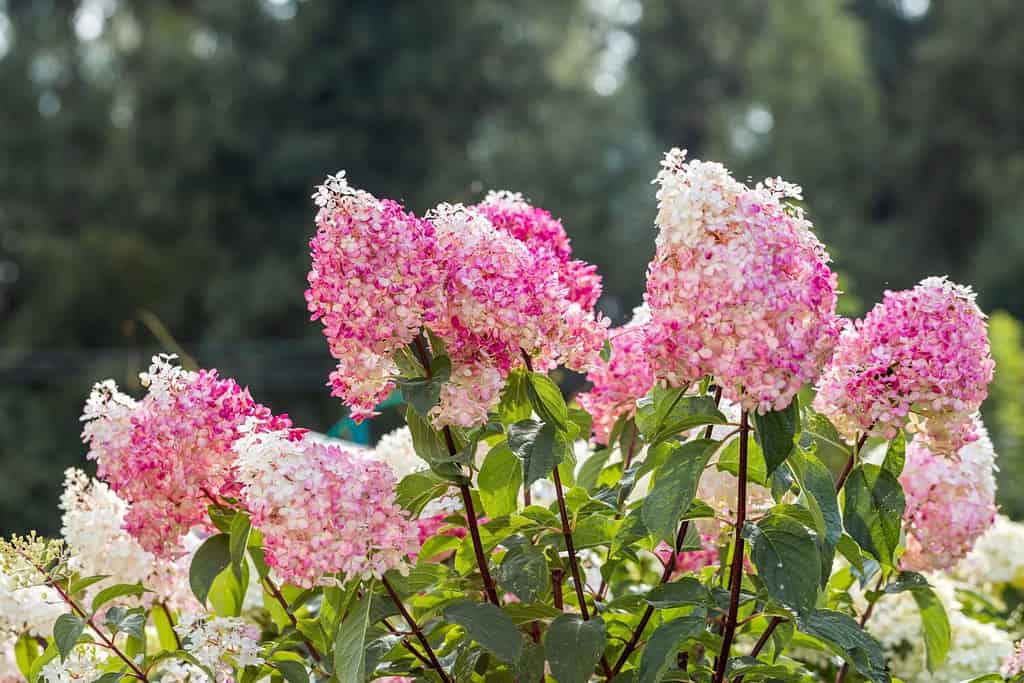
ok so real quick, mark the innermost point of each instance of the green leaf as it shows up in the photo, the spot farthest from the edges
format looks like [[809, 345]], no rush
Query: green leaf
[[787, 559], [666, 412], [239, 535], [521, 613], [130, 621], [675, 487], [896, 455], [851, 551], [729, 461], [591, 468], [934, 622], [873, 511], [540, 447], [821, 436], [110, 677], [48, 655], [630, 531], [83, 583], [489, 626], [819, 493], [524, 572], [530, 665], [775, 433], [419, 488], [119, 590], [515, 399], [574, 647], [227, 593], [350, 643], [846, 638], [213, 557], [293, 672], [499, 480], [685, 591], [164, 627], [26, 651], [547, 401], [666, 641], [422, 393], [66, 632]]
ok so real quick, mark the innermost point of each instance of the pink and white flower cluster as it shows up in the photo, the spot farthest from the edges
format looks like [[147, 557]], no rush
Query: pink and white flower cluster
[[490, 293], [620, 381], [950, 501], [322, 510], [93, 528], [739, 288], [920, 355], [169, 455]]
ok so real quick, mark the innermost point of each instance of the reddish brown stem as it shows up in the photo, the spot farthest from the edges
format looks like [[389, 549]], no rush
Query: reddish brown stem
[[467, 497], [666, 574], [416, 630], [736, 572], [107, 641], [276, 592], [841, 481], [557, 577]]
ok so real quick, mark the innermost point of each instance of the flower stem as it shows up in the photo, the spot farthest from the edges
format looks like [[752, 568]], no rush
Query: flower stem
[[107, 641], [840, 482], [416, 630], [666, 574], [467, 497], [276, 592], [736, 572]]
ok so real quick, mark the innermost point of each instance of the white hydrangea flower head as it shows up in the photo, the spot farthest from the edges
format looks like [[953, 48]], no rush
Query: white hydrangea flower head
[[82, 665], [92, 526], [220, 643], [9, 672], [32, 609], [996, 559], [975, 648]]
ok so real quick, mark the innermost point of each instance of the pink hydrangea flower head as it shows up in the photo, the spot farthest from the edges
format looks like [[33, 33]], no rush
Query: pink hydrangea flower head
[[541, 232], [739, 288], [502, 301], [950, 502], [169, 453], [375, 281], [691, 561], [920, 356], [322, 510], [621, 380]]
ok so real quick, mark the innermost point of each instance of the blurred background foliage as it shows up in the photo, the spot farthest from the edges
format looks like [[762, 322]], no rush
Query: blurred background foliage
[[156, 162]]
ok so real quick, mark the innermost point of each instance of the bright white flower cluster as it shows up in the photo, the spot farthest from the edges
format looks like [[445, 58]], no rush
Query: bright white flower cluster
[[82, 665], [997, 559], [32, 609], [975, 648], [221, 644]]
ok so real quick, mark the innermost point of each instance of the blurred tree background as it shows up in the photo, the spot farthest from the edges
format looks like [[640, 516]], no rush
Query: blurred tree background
[[156, 162]]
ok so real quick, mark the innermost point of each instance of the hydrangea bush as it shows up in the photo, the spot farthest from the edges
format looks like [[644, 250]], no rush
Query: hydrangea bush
[[751, 489]]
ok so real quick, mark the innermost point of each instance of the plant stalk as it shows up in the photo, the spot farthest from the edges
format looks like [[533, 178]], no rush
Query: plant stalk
[[416, 630], [736, 572], [276, 592]]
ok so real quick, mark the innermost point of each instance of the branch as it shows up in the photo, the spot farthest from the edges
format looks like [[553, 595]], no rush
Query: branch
[[415, 629], [276, 592], [736, 572]]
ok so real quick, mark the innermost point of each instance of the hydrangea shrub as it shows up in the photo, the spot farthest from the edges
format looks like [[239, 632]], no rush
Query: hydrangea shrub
[[751, 489]]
